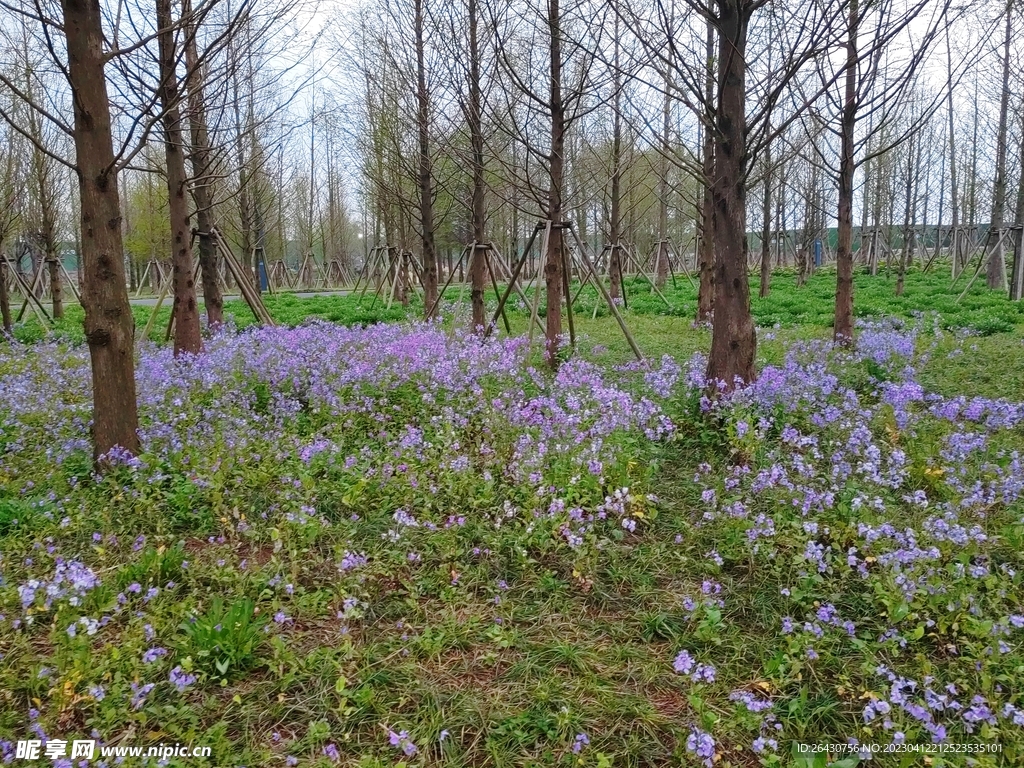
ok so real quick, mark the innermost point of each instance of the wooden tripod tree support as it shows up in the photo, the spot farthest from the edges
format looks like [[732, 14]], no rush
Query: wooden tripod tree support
[[310, 272], [367, 272], [396, 264], [41, 275], [487, 249], [673, 253], [641, 269], [249, 293], [245, 286], [151, 266], [547, 227], [335, 274], [30, 293], [982, 253], [279, 272]]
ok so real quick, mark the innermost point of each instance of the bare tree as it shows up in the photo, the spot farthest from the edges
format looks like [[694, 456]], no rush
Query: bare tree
[[186, 308], [10, 208], [202, 170], [109, 326], [875, 84], [706, 259], [995, 273]]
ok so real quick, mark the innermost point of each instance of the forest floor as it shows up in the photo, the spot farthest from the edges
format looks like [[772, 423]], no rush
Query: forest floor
[[397, 545]]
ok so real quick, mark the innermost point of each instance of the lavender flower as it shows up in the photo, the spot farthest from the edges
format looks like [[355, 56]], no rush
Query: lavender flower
[[181, 679]]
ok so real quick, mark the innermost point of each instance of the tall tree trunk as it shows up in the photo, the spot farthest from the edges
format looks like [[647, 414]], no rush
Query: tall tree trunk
[[995, 273], [615, 218], [477, 265], [662, 268], [186, 311], [56, 297], [202, 173], [42, 171], [706, 290], [733, 339], [766, 231], [245, 175], [907, 251], [5, 299], [109, 325], [425, 174], [556, 179], [49, 233], [953, 190], [842, 324]]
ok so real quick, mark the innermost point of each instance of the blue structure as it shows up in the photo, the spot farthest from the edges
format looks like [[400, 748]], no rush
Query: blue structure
[[264, 282]]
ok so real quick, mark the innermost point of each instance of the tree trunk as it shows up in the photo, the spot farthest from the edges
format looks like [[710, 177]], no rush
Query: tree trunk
[[5, 299], [766, 230], [953, 189], [477, 265], [556, 166], [44, 187], [202, 174], [733, 339], [706, 291], [662, 267], [56, 296], [995, 273], [425, 174], [185, 309], [907, 251], [109, 325], [842, 324], [615, 218]]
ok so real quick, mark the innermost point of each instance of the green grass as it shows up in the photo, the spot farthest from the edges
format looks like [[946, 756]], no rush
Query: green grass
[[808, 308]]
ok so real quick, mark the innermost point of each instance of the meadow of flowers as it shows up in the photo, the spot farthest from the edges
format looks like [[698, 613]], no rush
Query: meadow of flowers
[[399, 545]]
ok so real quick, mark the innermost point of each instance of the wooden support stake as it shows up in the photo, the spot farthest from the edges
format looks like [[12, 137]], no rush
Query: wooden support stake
[[512, 280], [30, 295], [540, 270], [608, 298]]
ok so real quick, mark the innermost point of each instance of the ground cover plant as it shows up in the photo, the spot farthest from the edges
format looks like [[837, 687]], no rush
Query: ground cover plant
[[398, 544], [813, 304], [790, 306], [286, 308]]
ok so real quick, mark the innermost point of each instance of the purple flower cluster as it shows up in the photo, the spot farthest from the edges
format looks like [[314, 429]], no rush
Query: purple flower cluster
[[702, 745], [685, 664], [181, 679], [71, 580], [402, 741]]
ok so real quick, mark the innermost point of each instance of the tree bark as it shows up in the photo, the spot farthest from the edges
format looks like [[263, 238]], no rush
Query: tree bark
[[5, 299], [477, 265], [842, 324], [202, 174], [953, 190], [766, 232], [556, 177], [733, 339], [995, 272], [706, 290], [109, 325], [662, 267], [425, 173], [42, 171], [907, 250], [56, 294], [615, 217], [185, 309]]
